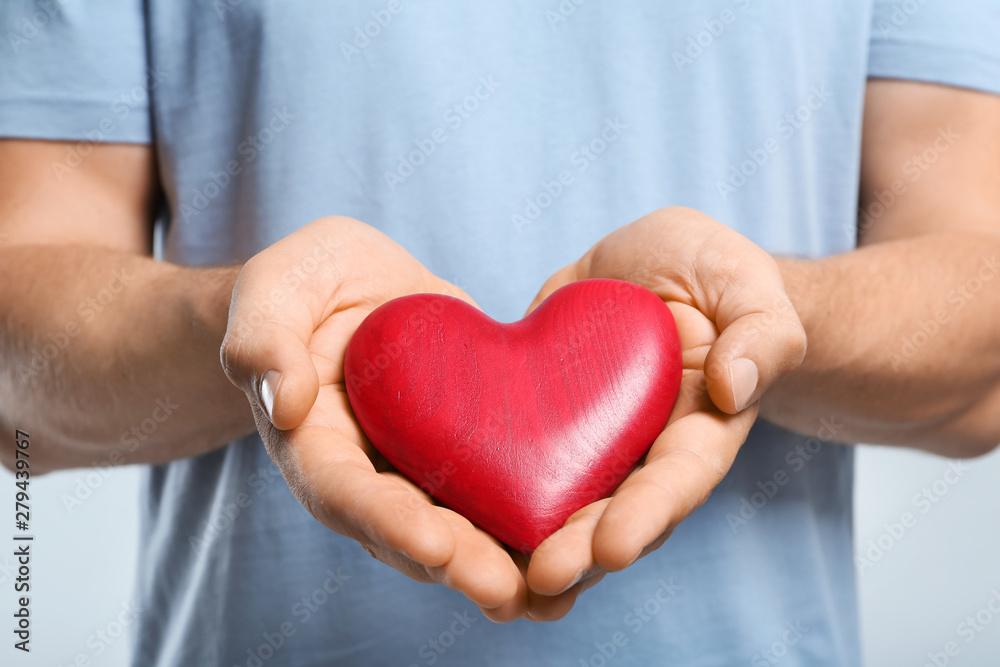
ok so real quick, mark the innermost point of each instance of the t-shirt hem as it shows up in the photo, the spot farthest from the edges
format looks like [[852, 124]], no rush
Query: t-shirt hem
[[934, 63], [74, 120]]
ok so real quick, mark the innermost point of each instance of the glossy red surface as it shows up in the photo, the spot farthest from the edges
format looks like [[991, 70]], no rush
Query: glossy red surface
[[517, 426]]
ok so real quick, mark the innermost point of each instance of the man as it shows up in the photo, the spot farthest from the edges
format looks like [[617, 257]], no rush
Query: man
[[483, 148]]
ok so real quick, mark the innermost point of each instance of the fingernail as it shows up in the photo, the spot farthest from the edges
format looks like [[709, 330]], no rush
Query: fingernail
[[268, 390], [582, 574], [743, 377]]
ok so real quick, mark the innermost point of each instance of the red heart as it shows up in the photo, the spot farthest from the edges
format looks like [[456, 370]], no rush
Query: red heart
[[517, 426]]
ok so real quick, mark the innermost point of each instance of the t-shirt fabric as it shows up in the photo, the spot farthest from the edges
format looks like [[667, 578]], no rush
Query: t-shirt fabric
[[496, 142]]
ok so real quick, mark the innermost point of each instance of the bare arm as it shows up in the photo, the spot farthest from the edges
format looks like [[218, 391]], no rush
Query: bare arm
[[103, 349], [904, 333], [741, 316]]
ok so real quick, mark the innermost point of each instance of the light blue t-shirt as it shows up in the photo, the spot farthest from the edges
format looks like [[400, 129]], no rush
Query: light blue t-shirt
[[496, 142]]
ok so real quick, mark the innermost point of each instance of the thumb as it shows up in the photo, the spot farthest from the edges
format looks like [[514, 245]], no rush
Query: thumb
[[270, 361], [755, 349]]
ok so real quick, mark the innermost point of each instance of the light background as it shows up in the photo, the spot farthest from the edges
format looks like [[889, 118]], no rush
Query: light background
[[940, 570]]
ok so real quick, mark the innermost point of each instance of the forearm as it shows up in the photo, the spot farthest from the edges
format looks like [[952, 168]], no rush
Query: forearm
[[110, 356], [904, 344]]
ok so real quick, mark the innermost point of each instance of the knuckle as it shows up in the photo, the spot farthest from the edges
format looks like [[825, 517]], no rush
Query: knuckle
[[797, 340], [230, 354]]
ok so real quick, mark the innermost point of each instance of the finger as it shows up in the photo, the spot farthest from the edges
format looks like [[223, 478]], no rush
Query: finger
[[685, 463], [761, 339], [483, 570], [334, 479], [266, 354], [544, 608], [564, 276], [394, 519], [516, 608], [566, 557]]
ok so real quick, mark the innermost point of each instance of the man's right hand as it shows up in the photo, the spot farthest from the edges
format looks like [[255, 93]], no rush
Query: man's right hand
[[294, 309]]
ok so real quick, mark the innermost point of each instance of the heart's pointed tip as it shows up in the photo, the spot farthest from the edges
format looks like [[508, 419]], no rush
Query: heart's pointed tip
[[527, 551]]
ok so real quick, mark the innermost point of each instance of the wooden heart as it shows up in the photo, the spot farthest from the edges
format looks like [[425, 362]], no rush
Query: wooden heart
[[517, 426]]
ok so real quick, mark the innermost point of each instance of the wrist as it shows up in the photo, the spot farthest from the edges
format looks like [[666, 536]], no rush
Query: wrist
[[206, 295], [803, 279]]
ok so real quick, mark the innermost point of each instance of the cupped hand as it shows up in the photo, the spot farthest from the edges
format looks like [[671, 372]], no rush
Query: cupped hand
[[739, 334], [294, 309]]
